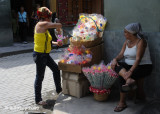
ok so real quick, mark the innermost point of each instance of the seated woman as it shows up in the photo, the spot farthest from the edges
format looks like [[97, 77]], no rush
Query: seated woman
[[137, 62]]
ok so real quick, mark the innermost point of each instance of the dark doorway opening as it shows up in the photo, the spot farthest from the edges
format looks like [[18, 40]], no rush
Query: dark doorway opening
[[29, 6]]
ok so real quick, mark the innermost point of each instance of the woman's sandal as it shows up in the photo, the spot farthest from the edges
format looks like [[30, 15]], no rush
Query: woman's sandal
[[120, 108], [41, 103]]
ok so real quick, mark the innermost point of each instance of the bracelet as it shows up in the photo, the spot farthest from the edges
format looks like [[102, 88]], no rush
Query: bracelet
[[114, 59]]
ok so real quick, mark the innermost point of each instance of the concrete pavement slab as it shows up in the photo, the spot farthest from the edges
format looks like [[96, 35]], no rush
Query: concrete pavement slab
[[87, 105], [17, 75]]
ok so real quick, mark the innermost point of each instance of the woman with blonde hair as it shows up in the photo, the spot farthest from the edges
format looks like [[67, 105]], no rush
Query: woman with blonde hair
[[42, 48]]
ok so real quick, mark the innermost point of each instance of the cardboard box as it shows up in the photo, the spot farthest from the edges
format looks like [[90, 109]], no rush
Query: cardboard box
[[97, 57], [70, 67], [75, 84], [73, 76]]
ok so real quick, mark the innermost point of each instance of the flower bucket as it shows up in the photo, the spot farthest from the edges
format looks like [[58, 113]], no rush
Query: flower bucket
[[101, 97]]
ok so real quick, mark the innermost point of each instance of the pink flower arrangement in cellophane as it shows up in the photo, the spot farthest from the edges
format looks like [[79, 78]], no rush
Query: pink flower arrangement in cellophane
[[101, 77], [110, 76], [76, 55]]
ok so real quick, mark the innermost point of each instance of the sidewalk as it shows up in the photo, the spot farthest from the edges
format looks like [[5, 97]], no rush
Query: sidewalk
[[17, 84], [18, 48], [65, 104], [87, 105]]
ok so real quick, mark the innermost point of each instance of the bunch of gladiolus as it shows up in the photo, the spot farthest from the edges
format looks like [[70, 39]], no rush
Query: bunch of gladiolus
[[76, 55], [101, 77]]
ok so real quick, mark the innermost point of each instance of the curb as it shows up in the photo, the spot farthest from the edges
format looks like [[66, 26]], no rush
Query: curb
[[25, 51], [15, 52]]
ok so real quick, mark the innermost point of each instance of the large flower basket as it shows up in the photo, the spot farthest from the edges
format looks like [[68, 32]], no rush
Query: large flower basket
[[65, 41], [86, 44]]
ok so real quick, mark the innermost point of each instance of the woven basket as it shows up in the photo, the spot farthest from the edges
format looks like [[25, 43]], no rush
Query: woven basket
[[101, 97], [65, 41], [87, 44]]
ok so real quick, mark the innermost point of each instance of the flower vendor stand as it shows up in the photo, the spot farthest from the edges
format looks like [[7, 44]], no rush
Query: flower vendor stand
[[73, 80], [85, 50]]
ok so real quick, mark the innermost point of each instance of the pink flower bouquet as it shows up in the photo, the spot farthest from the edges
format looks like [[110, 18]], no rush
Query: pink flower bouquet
[[100, 76]]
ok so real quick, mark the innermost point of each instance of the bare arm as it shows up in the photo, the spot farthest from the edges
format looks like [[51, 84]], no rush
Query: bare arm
[[48, 25], [58, 43], [55, 43], [121, 54], [41, 27]]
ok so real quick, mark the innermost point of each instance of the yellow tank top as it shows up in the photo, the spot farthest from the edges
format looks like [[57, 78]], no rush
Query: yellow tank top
[[42, 42]]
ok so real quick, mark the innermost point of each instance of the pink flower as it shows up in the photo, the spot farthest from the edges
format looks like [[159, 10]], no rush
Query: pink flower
[[59, 40]]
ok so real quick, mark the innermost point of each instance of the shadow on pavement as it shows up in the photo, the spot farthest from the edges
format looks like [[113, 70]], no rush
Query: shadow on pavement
[[50, 104], [36, 113]]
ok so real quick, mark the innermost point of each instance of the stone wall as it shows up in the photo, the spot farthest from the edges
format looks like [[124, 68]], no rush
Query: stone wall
[[6, 37]]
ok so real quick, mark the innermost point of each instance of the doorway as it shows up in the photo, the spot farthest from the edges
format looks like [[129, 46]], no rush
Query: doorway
[[30, 6]]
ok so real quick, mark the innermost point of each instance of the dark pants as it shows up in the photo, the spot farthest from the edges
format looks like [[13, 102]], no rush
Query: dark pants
[[42, 60], [140, 72], [23, 31]]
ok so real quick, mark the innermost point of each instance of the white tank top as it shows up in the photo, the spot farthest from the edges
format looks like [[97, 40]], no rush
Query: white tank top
[[130, 56]]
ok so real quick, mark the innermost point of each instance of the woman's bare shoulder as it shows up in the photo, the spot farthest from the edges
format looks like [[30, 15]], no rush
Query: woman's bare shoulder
[[125, 43], [40, 27], [142, 42], [42, 23]]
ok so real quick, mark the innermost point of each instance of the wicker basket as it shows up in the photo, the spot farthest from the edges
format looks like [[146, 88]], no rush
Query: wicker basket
[[87, 44], [101, 97], [65, 41]]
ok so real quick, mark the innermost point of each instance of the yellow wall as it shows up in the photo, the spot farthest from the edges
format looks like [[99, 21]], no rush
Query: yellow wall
[[53, 5]]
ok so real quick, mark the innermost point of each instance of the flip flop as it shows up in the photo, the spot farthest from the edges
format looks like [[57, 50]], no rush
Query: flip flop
[[41, 103], [120, 108]]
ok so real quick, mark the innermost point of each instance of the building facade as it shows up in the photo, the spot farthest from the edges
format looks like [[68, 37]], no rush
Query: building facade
[[6, 37], [6, 6], [67, 12], [122, 12]]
